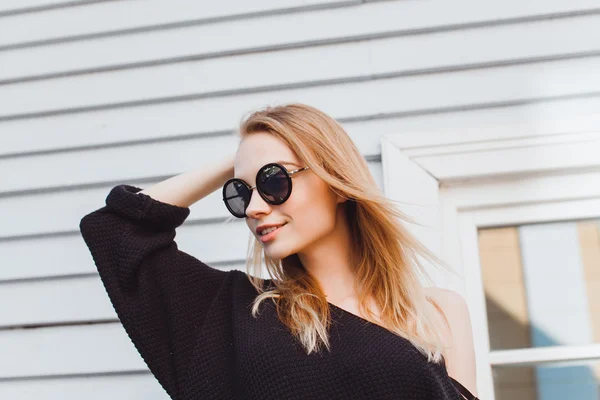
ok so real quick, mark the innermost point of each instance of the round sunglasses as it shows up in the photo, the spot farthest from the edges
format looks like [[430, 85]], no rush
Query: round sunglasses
[[273, 182]]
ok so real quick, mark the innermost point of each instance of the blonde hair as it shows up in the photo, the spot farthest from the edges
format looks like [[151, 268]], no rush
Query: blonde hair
[[387, 265]]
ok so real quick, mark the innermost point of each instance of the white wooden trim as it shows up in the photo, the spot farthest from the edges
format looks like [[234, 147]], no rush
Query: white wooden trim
[[563, 210], [541, 355], [466, 231], [532, 190], [479, 173], [502, 157], [400, 173]]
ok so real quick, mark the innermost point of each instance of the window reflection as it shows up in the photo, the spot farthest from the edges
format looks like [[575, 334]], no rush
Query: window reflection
[[542, 286], [557, 381]]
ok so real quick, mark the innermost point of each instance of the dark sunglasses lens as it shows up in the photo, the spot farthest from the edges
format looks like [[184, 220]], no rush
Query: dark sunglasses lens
[[237, 197], [274, 184]]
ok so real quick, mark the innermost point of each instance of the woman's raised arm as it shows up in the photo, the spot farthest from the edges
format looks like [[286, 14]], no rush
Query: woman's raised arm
[[161, 294]]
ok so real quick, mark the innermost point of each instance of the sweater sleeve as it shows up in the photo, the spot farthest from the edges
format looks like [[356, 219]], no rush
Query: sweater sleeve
[[160, 294]]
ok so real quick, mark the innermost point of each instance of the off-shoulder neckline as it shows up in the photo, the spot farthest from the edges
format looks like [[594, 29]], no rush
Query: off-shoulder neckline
[[343, 311], [352, 315]]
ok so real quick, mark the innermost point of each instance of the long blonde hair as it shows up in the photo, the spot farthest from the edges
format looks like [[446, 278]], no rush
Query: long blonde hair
[[387, 265]]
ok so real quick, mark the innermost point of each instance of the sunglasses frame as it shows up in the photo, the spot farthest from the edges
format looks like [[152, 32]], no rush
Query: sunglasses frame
[[289, 175]]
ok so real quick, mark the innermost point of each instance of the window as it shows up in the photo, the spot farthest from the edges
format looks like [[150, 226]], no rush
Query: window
[[541, 284], [515, 211]]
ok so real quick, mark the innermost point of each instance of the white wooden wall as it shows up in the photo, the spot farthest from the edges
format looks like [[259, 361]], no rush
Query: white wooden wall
[[97, 93]]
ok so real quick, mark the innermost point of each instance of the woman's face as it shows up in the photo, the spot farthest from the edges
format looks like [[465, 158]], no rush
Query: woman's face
[[309, 214]]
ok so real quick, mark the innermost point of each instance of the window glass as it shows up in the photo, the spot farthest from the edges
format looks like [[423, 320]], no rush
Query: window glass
[[557, 381], [542, 284]]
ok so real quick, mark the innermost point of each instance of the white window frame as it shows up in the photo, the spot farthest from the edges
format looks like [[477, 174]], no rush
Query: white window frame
[[454, 183]]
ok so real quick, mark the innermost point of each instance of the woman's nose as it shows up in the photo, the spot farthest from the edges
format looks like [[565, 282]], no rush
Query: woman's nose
[[257, 205]]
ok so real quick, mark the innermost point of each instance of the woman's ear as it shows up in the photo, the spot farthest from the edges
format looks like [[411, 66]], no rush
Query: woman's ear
[[341, 199]]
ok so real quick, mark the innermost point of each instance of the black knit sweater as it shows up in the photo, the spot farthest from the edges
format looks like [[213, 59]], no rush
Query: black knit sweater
[[193, 326]]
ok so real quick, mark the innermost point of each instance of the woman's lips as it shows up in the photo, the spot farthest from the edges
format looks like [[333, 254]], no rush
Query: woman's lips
[[271, 235]]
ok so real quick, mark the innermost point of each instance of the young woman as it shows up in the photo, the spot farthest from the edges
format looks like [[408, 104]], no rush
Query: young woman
[[344, 315]]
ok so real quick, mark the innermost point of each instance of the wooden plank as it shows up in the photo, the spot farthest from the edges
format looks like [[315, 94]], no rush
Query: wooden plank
[[126, 16], [48, 213], [13, 7], [204, 241], [77, 299], [80, 299], [85, 349], [464, 89], [535, 190], [551, 156], [198, 237], [301, 67], [139, 386], [370, 20]]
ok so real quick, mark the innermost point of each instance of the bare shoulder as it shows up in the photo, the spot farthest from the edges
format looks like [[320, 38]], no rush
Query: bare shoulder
[[447, 297], [460, 357]]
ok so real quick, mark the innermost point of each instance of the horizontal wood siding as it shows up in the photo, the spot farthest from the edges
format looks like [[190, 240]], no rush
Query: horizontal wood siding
[[97, 93]]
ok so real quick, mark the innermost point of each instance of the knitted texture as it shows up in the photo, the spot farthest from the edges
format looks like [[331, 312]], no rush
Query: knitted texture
[[193, 327]]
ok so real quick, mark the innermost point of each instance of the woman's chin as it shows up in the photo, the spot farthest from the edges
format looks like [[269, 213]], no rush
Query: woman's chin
[[276, 254]]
